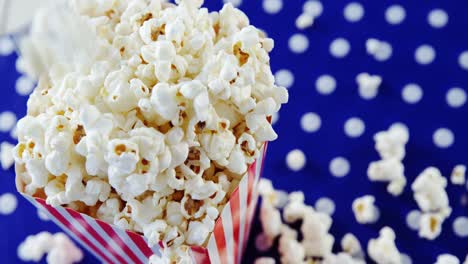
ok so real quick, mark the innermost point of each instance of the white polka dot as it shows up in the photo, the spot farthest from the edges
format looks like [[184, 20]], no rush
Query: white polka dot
[[7, 121], [437, 18], [8, 203], [424, 54], [313, 7], [24, 85], [460, 226], [463, 60], [384, 52], [339, 167], [456, 97], [325, 205], [272, 6], [339, 48], [42, 215], [353, 12], [412, 219], [298, 43], [325, 84], [235, 3], [354, 127], [443, 138], [395, 14], [6, 46], [405, 259], [295, 160], [274, 118], [284, 78], [412, 93], [311, 122]]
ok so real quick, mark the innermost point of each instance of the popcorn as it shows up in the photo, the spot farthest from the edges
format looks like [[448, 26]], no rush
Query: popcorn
[[364, 210], [6, 155], [270, 218], [265, 260], [447, 259], [59, 247], [316, 239], [341, 258], [155, 130], [391, 147], [304, 21], [458, 175], [383, 250], [430, 225], [351, 245], [368, 85]]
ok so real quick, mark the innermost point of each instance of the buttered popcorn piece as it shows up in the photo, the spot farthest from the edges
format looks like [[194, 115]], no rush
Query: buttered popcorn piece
[[59, 247], [365, 210], [157, 127], [390, 145], [383, 250], [368, 85], [458, 175]]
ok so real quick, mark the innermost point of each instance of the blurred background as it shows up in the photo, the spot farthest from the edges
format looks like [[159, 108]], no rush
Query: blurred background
[[425, 45]]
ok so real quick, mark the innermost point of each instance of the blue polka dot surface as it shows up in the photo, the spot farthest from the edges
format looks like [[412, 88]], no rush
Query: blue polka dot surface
[[353, 69]]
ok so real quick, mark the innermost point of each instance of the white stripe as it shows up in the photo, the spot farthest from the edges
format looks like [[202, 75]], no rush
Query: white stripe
[[85, 233], [242, 207], [129, 242], [63, 227], [226, 217], [213, 251], [117, 250]]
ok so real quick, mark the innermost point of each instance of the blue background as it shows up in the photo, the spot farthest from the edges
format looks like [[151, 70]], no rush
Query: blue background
[[422, 119]]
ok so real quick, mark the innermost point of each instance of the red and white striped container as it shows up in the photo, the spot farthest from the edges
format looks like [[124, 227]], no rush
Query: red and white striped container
[[113, 245]]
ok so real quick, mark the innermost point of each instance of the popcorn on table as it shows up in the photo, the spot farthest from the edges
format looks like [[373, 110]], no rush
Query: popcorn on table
[[156, 129], [58, 247], [390, 145], [383, 250], [432, 199], [365, 210]]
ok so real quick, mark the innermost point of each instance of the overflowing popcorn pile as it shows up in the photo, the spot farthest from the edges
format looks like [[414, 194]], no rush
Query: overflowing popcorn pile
[[156, 130], [58, 247]]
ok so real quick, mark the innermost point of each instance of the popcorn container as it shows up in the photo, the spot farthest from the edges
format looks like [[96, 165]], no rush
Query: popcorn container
[[114, 245]]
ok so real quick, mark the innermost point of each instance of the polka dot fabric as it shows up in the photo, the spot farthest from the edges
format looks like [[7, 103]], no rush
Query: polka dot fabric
[[337, 157]]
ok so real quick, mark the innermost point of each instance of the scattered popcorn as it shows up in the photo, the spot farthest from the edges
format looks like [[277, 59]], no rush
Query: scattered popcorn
[[8, 203], [60, 249], [155, 130], [6, 155], [365, 210], [383, 250], [305, 20], [458, 175], [296, 160], [368, 85], [380, 50], [431, 197], [265, 260], [447, 259], [391, 147], [351, 245]]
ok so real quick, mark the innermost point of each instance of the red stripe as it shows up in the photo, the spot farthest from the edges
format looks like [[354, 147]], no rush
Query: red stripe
[[96, 236], [251, 174], [200, 255], [235, 213], [73, 229], [218, 232], [113, 235], [140, 243]]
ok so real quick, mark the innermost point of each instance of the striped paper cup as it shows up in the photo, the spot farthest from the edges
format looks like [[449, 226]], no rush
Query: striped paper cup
[[114, 245]]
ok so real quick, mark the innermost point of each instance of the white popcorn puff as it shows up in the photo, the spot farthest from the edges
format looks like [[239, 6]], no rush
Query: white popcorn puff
[[447, 259], [341, 258], [368, 85], [59, 247], [270, 218], [291, 250], [430, 225], [458, 175], [197, 233], [304, 21], [391, 147], [351, 245], [365, 210], [429, 192], [6, 155], [383, 250], [316, 239]]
